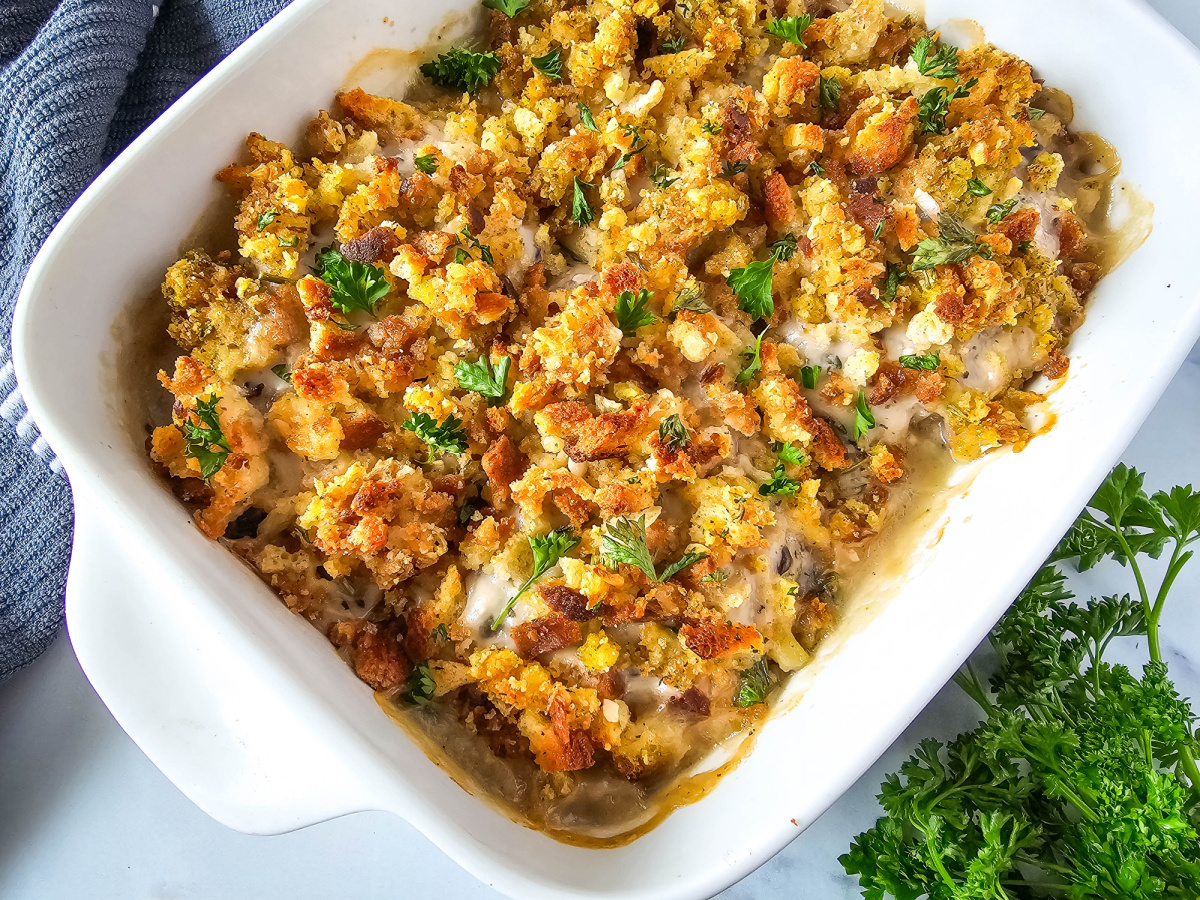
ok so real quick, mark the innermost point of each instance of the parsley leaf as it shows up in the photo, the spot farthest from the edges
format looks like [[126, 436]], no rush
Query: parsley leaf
[[864, 421], [550, 65], [791, 28], [631, 311], [356, 286], [935, 106], [282, 372], [753, 357], [462, 70], [1035, 114], [447, 437], [623, 541], [809, 376], [756, 684], [420, 687], [582, 213], [480, 377], [831, 93], [426, 163], [205, 442], [998, 211], [929, 362], [547, 549], [752, 284], [672, 45], [977, 188], [266, 219], [485, 252], [955, 243], [710, 128], [673, 433], [661, 176], [895, 275], [816, 168], [691, 299], [441, 633], [509, 7], [789, 454], [780, 484], [729, 169], [718, 577], [585, 117], [943, 63], [785, 248]]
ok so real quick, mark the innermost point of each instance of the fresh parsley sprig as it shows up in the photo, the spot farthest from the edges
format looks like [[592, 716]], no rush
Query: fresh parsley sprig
[[481, 378], [509, 7], [426, 163], [355, 286], [891, 283], [809, 375], [1081, 782], [864, 419], [753, 362], [998, 212], [662, 177], [955, 243], [753, 283], [623, 541], [942, 64], [632, 312], [934, 106], [780, 484], [206, 442], [582, 213], [547, 549], [673, 433], [928, 361], [421, 686], [791, 28], [462, 70], [755, 685], [830, 92], [444, 437], [690, 299], [550, 65], [585, 117], [672, 45]]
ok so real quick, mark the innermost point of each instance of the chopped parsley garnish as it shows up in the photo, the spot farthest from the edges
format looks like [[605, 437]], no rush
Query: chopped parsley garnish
[[791, 28], [942, 64], [637, 146], [582, 213], [585, 117], [895, 275], [467, 511], [661, 176], [831, 93], [282, 372], [977, 188], [879, 226], [447, 437], [816, 168], [779, 485], [729, 169], [789, 454], [864, 420], [266, 219], [461, 256], [1025, 246], [753, 358], [756, 684], [550, 65], [753, 283], [809, 375], [673, 45], [485, 252], [955, 243], [426, 163], [1035, 114], [631, 311], [355, 286], [481, 378], [509, 7], [1081, 780], [710, 127], [998, 211], [289, 241], [462, 70], [718, 577], [935, 106], [690, 299], [673, 433], [421, 686], [440, 633], [624, 541], [928, 361], [547, 549], [206, 443]]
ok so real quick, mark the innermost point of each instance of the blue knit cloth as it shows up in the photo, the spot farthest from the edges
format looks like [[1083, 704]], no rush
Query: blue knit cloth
[[78, 80]]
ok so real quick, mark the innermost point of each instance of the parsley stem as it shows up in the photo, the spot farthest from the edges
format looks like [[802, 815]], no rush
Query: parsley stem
[[503, 614]]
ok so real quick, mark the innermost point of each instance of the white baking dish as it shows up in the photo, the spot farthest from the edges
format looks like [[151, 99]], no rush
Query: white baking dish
[[250, 713]]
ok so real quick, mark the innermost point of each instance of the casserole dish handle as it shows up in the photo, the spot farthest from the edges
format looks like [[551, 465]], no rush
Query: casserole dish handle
[[186, 698]]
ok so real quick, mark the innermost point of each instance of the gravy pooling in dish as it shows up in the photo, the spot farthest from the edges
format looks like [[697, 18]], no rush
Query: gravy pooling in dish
[[564, 394]]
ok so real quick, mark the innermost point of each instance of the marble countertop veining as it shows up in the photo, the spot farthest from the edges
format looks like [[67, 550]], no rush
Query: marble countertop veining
[[85, 814]]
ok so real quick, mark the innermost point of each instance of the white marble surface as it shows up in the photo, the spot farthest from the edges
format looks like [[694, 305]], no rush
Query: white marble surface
[[85, 814]]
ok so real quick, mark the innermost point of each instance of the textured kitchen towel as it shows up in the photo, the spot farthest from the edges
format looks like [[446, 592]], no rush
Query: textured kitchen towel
[[78, 80]]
